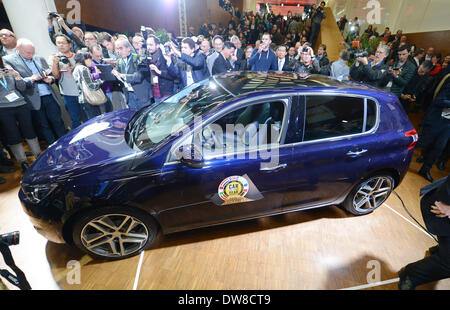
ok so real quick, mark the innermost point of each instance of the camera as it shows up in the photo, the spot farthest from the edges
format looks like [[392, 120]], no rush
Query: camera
[[396, 67], [358, 55], [167, 49], [53, 15], [146, 59], [64, 59], [11, 238]]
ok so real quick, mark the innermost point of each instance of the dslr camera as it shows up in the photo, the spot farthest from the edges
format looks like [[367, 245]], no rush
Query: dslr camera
[[64, 59], [145, 60], [358, 55], [53, 15]]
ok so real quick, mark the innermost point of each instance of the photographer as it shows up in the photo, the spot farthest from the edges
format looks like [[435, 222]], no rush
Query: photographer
[[15, 115], [414, 90], [374, 72], [34, 70], [191, 65], [316, 20], [62, 65], [138, 89], [75, 34], [161, 78], [308, 63], [402, 71]]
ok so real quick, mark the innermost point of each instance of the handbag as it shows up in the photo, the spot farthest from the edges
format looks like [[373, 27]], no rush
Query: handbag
[[93, 97]]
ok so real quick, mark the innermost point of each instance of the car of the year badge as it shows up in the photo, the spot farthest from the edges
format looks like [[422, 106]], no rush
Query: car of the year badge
[[232, 147]]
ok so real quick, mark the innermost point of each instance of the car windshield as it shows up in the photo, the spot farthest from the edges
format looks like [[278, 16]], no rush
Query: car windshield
[[158, 122]]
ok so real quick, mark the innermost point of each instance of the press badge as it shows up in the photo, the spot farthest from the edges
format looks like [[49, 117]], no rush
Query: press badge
[[155, 80], [12, 96]]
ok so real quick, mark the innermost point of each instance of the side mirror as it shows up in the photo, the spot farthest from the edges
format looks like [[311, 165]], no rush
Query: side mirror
[[191, 156]]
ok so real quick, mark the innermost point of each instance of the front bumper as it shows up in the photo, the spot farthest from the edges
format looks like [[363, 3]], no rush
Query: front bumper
[[46, 225]]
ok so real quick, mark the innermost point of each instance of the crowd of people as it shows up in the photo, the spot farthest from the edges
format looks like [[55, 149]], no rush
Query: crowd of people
[[250, 41]]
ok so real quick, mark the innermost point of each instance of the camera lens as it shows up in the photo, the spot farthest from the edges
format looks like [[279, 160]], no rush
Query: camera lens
[[10, 238]]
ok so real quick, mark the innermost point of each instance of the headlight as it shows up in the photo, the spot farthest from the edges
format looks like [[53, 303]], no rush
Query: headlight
[[35, 193]]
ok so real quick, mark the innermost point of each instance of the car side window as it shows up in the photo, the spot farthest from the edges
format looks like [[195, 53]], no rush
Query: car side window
[[244, 129], [371, 114], [333, 116]]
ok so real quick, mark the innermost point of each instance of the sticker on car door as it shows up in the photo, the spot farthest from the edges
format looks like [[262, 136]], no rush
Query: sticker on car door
[[236, 189]]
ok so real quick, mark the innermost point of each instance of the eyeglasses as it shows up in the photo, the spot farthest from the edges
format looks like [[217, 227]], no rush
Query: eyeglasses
[[6, 35]]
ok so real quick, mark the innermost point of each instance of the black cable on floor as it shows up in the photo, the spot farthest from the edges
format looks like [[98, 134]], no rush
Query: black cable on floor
[[409, 213]]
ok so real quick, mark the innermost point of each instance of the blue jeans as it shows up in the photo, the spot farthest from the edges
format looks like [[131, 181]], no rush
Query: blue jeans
[[134, 102], [74, 110]]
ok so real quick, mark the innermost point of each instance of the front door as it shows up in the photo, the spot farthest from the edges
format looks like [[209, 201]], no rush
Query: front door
[[245, 169]]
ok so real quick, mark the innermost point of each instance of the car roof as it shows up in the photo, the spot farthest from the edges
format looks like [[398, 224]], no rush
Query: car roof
[[246, 82]]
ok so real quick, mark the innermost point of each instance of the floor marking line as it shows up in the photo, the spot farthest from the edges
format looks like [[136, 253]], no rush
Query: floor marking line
[[396, 212], [138, 271], [360, 287]]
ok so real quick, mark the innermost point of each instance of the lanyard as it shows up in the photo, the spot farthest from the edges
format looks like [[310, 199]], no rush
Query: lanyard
[[4, 83]]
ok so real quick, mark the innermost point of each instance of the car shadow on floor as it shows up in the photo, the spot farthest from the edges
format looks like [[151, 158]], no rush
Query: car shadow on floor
[[248, 226], [59, 254]]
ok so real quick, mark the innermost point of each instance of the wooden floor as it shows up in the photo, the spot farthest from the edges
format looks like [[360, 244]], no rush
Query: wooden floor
[[315, 249]]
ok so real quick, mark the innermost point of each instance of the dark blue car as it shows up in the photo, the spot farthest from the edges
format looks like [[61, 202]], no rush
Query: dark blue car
[[232, 147]]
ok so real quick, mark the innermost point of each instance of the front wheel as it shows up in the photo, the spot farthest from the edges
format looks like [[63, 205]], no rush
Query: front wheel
[[114, 232], [369, 194]]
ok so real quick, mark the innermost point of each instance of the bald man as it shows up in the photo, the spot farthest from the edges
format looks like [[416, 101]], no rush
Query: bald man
[[8, 41], [36, 73]]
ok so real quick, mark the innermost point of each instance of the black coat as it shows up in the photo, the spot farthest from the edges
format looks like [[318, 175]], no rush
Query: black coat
[[376, 76], [166, 78], [221, 65]]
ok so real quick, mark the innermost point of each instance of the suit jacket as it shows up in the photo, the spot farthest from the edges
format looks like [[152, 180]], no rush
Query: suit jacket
[[285, 65], [221, 65], [138, 78], [31, 94]]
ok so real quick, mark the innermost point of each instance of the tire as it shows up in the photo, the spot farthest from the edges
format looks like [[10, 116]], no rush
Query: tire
[[114, 232], [369, 194]]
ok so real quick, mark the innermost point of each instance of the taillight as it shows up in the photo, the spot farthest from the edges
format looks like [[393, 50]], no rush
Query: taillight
[[415, 136]]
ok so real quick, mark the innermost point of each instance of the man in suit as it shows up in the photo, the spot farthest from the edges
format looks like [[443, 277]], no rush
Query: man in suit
[[222, 63], [35, 71], [138, 89], [238, 54], [435, 207], [191, 64], [436, 127], [217, 45], [283, 63]]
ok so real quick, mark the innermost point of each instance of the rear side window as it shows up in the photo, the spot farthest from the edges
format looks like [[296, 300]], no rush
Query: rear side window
[[371, 114], [333, 116]]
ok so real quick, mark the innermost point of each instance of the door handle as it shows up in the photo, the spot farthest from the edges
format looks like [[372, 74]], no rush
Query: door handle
[[357, 153], [282, 166]]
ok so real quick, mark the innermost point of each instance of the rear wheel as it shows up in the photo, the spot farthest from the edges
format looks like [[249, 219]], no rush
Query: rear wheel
[[114, 232], [369, 194]]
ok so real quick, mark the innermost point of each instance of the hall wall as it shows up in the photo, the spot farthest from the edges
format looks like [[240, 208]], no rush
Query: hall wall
[[121, 16]]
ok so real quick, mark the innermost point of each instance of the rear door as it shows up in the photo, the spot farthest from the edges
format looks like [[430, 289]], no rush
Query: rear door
[[333, 148]]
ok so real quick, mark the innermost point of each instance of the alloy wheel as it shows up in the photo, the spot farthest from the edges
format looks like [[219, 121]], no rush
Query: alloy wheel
[[114, 235], [372, 194]]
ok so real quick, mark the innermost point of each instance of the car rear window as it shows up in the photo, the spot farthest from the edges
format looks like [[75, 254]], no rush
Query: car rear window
[[371, 114], [333, 116]]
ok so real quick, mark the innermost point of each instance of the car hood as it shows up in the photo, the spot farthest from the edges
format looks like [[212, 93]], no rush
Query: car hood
[[97, 142]]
